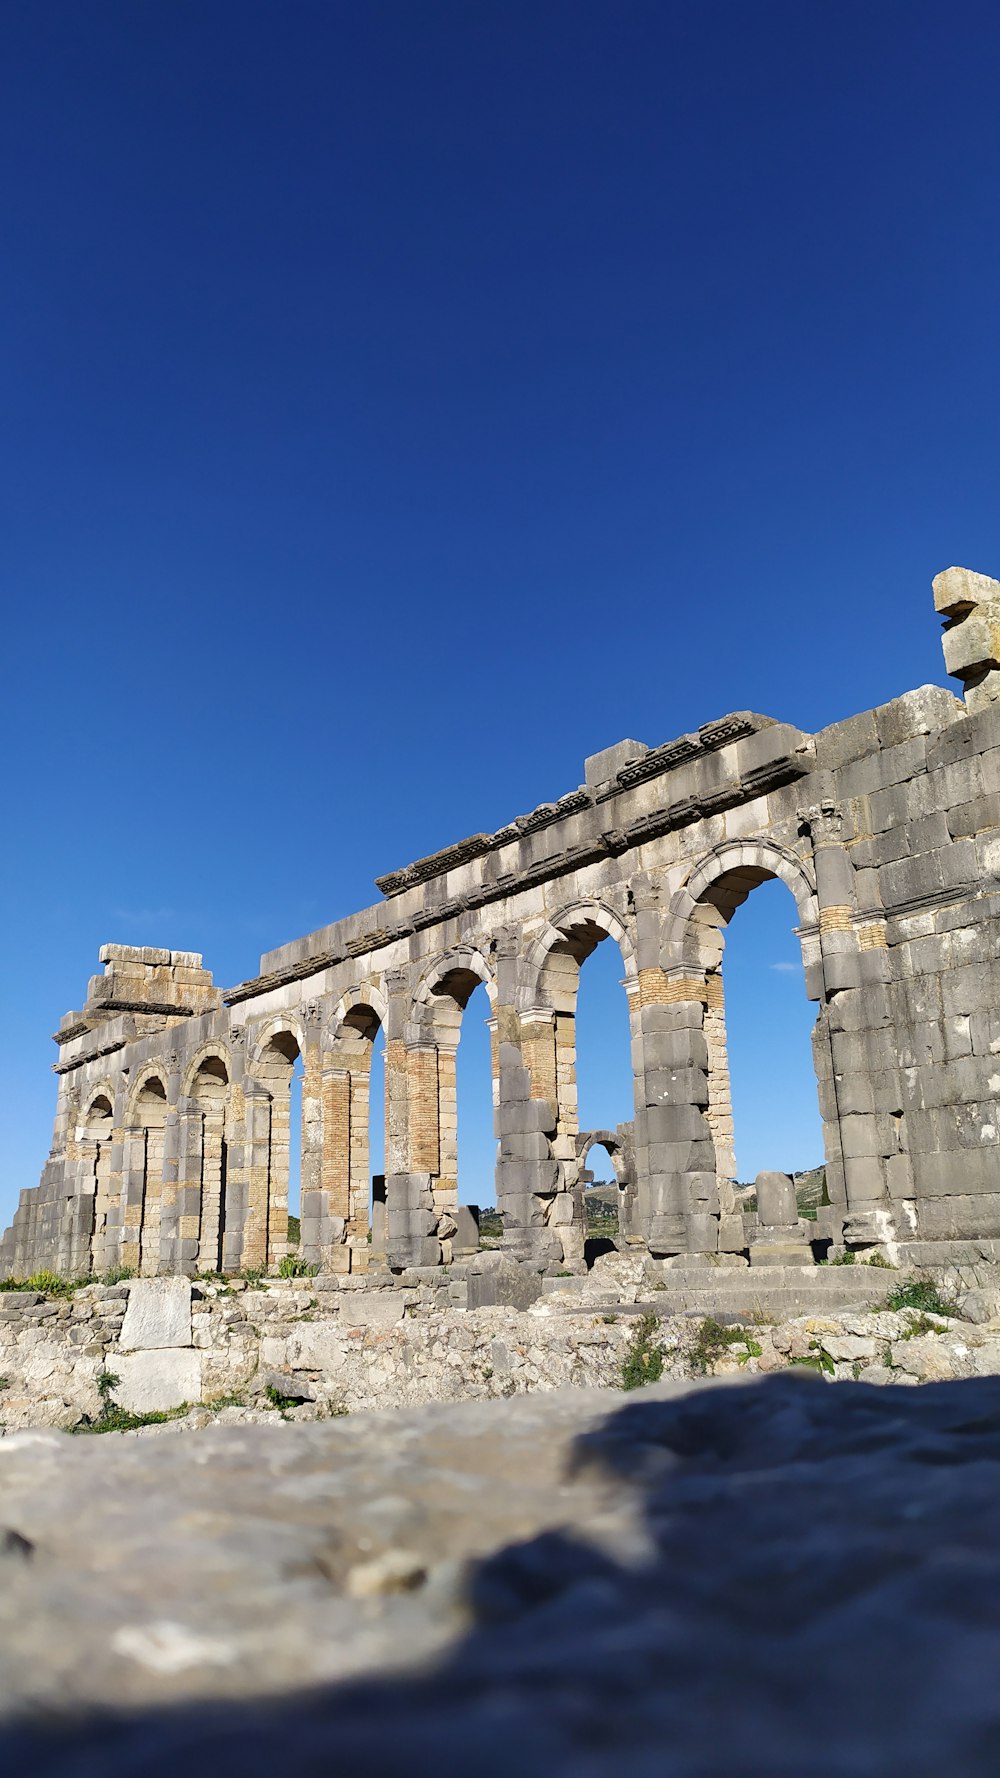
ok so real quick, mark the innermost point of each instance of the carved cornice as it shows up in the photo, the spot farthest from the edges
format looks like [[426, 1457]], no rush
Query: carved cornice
[[611, 844]]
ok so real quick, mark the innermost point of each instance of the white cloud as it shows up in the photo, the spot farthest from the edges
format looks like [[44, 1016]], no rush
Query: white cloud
[[784, 968]]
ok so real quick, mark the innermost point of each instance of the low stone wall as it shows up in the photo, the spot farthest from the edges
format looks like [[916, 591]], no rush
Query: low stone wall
[[309, 1348]]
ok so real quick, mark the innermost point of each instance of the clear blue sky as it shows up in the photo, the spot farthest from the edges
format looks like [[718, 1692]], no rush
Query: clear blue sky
[[402, 401]]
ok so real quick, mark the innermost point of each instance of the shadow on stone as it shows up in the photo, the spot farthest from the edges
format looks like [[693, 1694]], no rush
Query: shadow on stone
[[813, 1586]]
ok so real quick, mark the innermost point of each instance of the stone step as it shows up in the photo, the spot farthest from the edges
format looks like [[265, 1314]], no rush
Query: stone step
[[745, 1291]]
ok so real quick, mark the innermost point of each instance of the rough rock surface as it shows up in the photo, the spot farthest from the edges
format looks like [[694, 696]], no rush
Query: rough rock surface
[[771, 1579]]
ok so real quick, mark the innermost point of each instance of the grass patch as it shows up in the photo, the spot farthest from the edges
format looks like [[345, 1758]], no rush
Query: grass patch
[[275, 1399], [643, 1358], [48, 1283], [817, 1359], [921, 1324], [713, 1340], [291, 1266], [112, 1418], [921, 1294]]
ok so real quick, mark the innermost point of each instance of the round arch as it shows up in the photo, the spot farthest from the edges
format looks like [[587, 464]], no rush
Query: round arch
[[281, 1036], [106, 1092], [718, 884], [359, 1013], [150, 1078], [209, 1052], [571, 936], [447, 986]]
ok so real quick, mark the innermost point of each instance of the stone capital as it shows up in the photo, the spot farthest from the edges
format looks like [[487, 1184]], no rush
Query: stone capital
[[825, 821]]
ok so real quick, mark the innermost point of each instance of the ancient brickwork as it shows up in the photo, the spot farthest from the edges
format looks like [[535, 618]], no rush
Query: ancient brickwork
[[171, 1142]]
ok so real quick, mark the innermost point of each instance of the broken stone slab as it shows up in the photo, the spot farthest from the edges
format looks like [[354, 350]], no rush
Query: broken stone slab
[[158, 1314], [152, 1381]]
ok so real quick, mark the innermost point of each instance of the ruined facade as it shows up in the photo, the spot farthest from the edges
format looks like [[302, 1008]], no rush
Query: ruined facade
[[170, 1151]]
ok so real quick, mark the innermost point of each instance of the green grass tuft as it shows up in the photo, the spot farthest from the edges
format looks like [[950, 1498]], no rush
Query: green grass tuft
[[643, 1358]]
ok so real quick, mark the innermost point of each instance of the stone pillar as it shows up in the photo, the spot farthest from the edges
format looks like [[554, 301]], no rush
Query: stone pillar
[[162, 1242], [197, 1192], [311, 1163], [719, 1113], [675, 1154], [781, 1238], [248, 1238], [222, 1247], [411, 1135], [527, 1116], [854, 1010], [325, 1208]]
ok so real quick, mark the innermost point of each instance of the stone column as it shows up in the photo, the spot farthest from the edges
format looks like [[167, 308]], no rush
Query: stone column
[[311, 1161], [675, 1154], [411, 1134], [223, 1246], [247, 1239], [197, 1204], [851, 989], [527, 1115], [325, 1208]]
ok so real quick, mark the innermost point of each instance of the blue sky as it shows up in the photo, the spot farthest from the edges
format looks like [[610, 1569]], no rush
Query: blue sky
[[404, 401]]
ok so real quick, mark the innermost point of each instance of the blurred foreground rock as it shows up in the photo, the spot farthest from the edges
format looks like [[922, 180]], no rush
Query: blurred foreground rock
[[766, 1578]]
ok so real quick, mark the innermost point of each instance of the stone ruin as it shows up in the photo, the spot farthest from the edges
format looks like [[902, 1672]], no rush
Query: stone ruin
[[171, 1143]]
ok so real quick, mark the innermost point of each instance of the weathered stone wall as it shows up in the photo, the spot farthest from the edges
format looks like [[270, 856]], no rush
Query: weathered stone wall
[[170, 1151], [310, 1348]]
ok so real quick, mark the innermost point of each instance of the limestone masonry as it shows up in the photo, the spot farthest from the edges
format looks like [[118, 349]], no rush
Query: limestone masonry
[[170, 1151]]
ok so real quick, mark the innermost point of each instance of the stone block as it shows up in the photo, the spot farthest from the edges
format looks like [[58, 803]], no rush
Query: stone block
[[317, 1345], [158, 1314], [157, 1379], [776, 1204], [505, 1285], [602, 768]]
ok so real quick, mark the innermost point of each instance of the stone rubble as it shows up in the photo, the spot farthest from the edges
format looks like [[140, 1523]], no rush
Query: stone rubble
[[298, 1348]]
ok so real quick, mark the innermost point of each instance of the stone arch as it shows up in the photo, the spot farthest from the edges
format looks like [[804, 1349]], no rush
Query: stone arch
[[147, 1117], [147, 1092], [278, 1044], [447, 986], [719, 884], [442, 995], [353, 1202], [99, 1111], [692, 953], [606, 1139], [619, 1148], [359, 1013], [214, 1051], [565, 942], [95, 1132], [210, 1220]]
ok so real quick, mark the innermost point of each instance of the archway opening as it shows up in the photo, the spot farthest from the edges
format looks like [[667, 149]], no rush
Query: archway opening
[[583, 985], [361, 1127], [602, 1193], [279, 1069], [458, 1092], [476, 1148], [763, 1097], [151, 1118], [295, 1083], [216, 1223], [97, 1130]]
